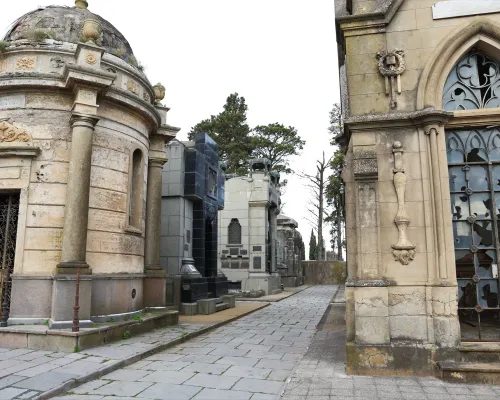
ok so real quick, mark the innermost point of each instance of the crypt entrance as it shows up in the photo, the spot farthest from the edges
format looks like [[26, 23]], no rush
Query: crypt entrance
[[9, 213], [473, 155]]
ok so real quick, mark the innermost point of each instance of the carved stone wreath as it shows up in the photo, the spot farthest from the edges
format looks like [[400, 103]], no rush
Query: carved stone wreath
[[391, 65]]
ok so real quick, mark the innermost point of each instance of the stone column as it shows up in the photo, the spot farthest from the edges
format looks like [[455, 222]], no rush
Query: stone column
[[153, 216], [76, 211]]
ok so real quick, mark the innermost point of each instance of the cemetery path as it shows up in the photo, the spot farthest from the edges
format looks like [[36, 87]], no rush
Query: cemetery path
[[250, 358], [320, 374]]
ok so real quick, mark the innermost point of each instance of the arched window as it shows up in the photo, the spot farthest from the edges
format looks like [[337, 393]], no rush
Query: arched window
[[136, 190], [473, 83], [234, 232]]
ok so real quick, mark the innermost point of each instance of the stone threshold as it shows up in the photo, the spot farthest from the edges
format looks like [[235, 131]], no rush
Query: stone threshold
[[75, 382], [41, 337], [274, 298]]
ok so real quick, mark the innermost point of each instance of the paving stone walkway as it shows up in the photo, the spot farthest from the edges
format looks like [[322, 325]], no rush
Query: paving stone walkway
[[250, 358], [321, 374]]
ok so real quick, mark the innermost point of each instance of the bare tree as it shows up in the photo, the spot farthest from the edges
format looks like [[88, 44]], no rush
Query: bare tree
[[317, 185]]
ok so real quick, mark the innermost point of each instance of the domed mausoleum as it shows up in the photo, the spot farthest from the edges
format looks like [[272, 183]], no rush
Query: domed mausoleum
[[82, 145]]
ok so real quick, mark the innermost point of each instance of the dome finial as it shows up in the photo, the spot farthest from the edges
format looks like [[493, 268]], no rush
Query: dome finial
[[83, 4]]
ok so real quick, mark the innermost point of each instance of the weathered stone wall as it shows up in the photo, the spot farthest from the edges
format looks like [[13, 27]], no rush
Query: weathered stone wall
[[324, 272]]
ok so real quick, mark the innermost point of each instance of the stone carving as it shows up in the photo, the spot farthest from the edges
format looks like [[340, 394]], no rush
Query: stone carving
[[159, 91], [133, 87], [56, 62], [90, 58], [10, 133], [146, 97], [391, 65], [25, 63], [403, 251], [3, 66], [91, 31]]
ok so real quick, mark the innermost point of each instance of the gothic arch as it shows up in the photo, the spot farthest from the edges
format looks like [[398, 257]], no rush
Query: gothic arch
[[481, 32]]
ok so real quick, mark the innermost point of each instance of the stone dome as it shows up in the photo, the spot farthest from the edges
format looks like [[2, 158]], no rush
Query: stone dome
[[65, 24]]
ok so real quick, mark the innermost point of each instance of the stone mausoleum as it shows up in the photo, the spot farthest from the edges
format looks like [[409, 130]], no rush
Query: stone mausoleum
[[248, 229], [82, 146], [290, 251], [420, 83]]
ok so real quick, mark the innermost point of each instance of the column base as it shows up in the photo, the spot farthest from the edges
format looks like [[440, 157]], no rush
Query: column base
[[155, 269], [71, 267], [155, 290]]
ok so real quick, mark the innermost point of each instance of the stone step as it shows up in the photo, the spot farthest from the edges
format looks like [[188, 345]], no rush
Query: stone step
[[470, 372], [218, 300], [221, 306], [482, 352]]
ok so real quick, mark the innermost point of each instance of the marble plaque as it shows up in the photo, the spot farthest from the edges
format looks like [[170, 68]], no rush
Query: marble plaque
[[462, 8], [12, 101]]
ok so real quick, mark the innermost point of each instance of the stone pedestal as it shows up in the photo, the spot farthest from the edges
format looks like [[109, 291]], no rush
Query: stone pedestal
[[63, 301]]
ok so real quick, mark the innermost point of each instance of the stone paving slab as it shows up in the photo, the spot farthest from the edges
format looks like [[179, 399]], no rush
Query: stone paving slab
[[320, 375], [33, 374], [287, 292], [216, 365]]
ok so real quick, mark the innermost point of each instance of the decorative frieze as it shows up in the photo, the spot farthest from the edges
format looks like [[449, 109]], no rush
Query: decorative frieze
[[10, 133], [403, 251], [391, 65], [133, 87], [25, 64]]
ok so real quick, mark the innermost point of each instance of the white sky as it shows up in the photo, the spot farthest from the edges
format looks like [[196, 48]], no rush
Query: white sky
[[279, 54]]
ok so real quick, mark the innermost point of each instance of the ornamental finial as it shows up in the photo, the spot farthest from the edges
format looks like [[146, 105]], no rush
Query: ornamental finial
[[83, 4]]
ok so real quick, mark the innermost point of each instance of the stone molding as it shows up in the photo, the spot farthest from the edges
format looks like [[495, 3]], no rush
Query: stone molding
[[403, 251]]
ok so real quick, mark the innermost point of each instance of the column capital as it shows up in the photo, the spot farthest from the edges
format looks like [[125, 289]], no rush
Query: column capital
[[84, 120], [157, 162], [431, 129]]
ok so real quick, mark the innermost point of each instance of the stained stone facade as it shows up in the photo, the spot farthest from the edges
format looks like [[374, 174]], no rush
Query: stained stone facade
[[419, 82], [289, 251], [248, 229], [82, 147]]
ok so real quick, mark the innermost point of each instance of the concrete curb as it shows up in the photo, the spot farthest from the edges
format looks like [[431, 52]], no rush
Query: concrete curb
[[258, 300], [63, 388]]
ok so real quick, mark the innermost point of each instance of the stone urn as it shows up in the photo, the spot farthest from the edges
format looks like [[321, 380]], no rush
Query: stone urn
[[159, 90], [81, 4], [91, 31]]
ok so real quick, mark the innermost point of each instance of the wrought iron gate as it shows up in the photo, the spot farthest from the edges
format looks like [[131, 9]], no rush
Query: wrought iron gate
[[474, 171], [9, 211]]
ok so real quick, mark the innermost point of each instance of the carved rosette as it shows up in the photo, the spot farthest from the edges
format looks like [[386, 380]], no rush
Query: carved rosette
[[391, 65], [10, 133], [403, 251]]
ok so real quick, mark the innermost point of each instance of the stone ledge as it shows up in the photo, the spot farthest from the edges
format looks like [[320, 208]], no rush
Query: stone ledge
[[42, 338]]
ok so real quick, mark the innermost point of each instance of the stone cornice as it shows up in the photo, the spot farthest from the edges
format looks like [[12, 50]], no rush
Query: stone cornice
[[415, 118], [18, 150], [75, 75], [361, 23]]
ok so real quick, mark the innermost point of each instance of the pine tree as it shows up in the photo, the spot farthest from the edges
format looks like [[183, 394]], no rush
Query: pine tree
[[313, 247]]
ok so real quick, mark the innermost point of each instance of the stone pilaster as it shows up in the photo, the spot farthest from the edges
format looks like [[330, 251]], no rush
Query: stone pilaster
[[153, 216]]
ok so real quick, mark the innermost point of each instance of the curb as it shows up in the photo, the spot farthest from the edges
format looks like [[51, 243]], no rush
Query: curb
[[137, 357], [256, 299]]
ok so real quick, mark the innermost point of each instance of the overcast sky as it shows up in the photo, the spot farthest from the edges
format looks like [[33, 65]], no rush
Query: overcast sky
[[279, 54]]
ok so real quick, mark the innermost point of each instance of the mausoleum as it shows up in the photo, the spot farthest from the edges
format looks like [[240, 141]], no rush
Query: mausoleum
[[248, 229], [419, 81], [82, 146], [290, 251]]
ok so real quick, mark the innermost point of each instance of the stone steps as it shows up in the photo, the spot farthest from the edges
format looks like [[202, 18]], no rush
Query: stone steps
[[470, 372], [481, 352]]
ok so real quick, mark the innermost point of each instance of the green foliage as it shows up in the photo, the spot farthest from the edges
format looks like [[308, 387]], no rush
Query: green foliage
[[111, 319], [118, 52], [133, 61], [3, 45], [334, 189], [138, 317], [313, 246], [46, 323], [76, 349], [277, 143], [39, 35], [231, 132], [126, 335]]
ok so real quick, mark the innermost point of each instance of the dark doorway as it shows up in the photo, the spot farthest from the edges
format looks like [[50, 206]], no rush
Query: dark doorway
[[9, 213]]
